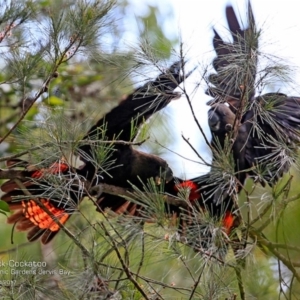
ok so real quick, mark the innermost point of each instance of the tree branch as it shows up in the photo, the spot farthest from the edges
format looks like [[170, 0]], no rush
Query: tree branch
[[106, 188]]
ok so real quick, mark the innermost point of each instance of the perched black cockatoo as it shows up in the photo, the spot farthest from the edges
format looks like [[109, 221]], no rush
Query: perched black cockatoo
[[260, 132], [46, 198]]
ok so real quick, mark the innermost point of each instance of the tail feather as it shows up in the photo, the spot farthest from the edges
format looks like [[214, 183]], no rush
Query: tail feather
[[38, 214], [24, 224], [227, 84], [35, 233], [46, 237], [16, 217]]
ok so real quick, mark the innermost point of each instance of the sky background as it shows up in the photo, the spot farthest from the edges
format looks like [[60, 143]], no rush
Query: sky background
[[193, 21]]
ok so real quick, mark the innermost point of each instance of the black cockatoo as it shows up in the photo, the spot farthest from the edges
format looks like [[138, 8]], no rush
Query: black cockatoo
[[49, 196], [261, 132]]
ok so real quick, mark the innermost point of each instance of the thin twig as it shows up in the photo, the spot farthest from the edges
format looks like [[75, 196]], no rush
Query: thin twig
[[124, 266], [45, 85], [240, 282], [195, 118], [195, 285], [106, 188], [142, 257], [260, 239], [195, 151]]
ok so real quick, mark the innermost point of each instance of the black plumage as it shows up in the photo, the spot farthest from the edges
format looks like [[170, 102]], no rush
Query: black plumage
[[260, 132]]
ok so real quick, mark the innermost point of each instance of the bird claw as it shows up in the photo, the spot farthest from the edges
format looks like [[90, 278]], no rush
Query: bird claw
[[228, 127]]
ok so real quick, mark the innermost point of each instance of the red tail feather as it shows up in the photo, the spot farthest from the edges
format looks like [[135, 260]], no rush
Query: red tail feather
[[28, 213], [193, 188], [228, 221]]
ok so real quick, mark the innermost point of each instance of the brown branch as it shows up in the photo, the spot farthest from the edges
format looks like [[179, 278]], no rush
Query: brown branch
[[263, 241], [106, 188], [8, 29], [196, 283], [43, 89], [125, 268], [115, 190]]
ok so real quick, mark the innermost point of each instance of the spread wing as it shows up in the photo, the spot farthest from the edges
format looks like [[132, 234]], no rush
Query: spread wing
[[236, 62], [139, 106]]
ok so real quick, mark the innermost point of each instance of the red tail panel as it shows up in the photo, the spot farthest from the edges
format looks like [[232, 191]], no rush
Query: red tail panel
[[28, 213], [228, 221], [192, 186]]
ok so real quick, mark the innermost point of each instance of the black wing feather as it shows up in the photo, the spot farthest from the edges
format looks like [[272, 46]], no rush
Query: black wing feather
[[236, 63], [140, 105]]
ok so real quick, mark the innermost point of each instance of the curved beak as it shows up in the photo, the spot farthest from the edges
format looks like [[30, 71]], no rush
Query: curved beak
[[213, 120], [166, 176]]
